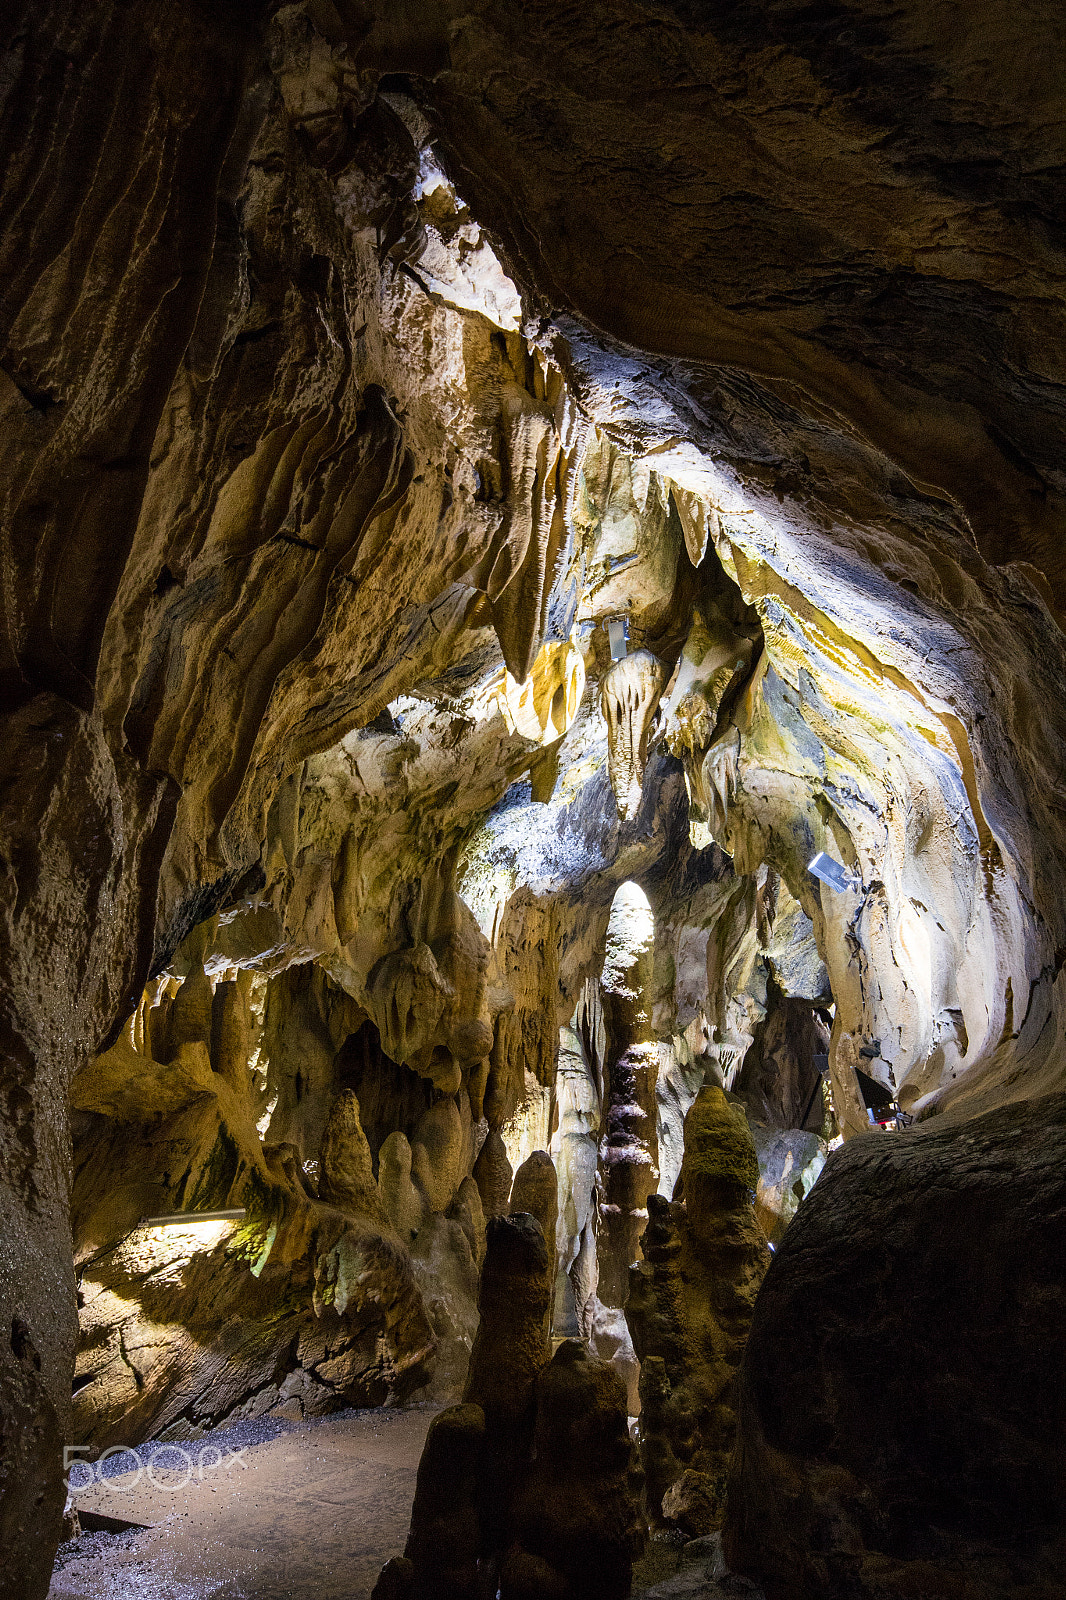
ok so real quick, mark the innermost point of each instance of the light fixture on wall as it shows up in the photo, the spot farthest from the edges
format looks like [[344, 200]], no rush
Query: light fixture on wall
[[830, 872], [618, 637], [185, 1219]]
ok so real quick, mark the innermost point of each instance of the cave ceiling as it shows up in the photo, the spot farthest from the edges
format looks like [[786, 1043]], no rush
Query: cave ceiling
[[478, 328], [844, 214]]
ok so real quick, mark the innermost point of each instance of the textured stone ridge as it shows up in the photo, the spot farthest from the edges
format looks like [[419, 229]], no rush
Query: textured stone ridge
[[867, 1464]]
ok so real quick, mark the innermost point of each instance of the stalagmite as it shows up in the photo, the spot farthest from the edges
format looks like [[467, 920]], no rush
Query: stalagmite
[[514, 1299], [445, 1541], [536, 1190], [493, 1175], [578, 1521], [346, 1174], [437, 1154], [230, 1035], [189, 1019], [628, 1151], [689, 1310], [403, 1204]]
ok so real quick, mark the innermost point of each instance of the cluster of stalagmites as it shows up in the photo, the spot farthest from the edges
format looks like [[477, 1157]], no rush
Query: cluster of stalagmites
[[530, 1488]]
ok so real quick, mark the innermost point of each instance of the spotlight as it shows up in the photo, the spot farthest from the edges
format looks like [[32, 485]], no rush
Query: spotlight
[[618, 638], [831, 872]]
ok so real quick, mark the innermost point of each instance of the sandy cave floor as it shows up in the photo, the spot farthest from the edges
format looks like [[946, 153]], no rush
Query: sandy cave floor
[[277, 1510], [271, 1511]]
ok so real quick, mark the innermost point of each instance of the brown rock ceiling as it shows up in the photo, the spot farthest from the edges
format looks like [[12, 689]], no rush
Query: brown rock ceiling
[[857, 206]]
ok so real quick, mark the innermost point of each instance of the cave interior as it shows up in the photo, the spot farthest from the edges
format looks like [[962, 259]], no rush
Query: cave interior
[[532, 811]]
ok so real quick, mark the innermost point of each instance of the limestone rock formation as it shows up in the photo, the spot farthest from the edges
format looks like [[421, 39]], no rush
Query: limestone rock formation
[[628, 1148], [493, 1175], [629, 695], [575, 1147], [346, 1174], [790, 1164], [400, 1199], [693, 1503], [578, 1522], [536, 1190], [866, 1465], [779, 1079], [514, 1300], [538, 1491], [690, 1306], [445, 1541], [437, 1153], [444, 1264], [468, 1211], [307, 1299]]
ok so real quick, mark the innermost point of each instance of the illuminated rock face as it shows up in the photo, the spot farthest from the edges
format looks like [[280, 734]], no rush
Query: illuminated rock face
[[628, 1150], [324, 1291], [321, 482]]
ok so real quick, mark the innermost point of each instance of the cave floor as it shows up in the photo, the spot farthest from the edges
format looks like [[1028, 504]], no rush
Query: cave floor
[[314, 1511]]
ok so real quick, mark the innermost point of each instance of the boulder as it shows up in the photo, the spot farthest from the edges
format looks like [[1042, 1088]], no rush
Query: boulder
[[902, 1416], [694, 1503]]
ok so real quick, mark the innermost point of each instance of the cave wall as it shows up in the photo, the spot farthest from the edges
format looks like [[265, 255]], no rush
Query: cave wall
[[204, 466]]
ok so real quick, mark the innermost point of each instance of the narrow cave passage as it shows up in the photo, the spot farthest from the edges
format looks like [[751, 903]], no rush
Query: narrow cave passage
[[531, 749]]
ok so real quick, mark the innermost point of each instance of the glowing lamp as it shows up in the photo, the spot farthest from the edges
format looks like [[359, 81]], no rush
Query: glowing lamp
[[185, 1219], [618, 638], [830, 872]]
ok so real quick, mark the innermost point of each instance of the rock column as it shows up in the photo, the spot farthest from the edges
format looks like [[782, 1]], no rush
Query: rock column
[[689, 1312], [628, 1150]]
